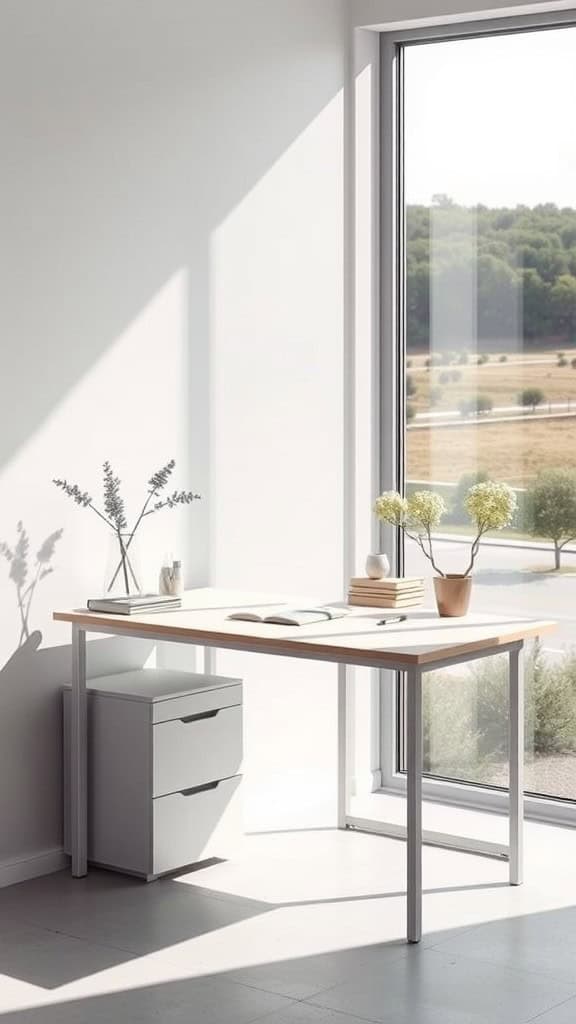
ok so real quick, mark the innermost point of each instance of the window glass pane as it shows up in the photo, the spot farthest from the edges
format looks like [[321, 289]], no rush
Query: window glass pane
[[490, 166]]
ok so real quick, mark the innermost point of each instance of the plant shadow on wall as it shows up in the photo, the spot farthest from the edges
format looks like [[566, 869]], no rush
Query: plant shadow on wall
[[31, 681], [30, 793], [27, 574]]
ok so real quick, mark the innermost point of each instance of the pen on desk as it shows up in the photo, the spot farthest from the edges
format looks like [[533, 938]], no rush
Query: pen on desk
[[392, 619]]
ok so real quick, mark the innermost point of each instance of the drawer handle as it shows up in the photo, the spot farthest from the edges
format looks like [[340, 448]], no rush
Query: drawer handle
[[199, 789], [198, 718]]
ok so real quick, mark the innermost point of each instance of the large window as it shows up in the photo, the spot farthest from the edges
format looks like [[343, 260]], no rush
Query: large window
[[489, 208]]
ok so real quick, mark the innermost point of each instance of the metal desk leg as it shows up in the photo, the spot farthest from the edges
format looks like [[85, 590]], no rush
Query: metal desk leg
[[209, 661], [414, 755], [343, 726], [78, 755], [516, 727]]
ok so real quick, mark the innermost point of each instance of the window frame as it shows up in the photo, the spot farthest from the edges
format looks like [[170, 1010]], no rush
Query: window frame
[[392, 388]]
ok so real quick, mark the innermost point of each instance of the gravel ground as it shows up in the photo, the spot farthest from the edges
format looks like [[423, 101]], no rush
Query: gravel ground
[[554, 775]]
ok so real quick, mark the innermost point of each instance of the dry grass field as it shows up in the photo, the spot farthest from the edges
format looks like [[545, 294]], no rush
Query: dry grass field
[[501, 381], [513, 452]]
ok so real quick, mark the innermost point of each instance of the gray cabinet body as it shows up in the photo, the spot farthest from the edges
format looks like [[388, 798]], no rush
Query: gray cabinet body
[[164, 756]]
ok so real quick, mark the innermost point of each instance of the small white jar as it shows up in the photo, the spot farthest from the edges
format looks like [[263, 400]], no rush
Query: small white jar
[[171, 582], [377, 566]]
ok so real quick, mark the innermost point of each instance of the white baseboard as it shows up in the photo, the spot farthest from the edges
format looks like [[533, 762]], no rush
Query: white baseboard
[[45, 863], [366, 782]]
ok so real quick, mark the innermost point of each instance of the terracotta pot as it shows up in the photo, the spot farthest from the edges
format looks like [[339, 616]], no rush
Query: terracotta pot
[[452, 594]]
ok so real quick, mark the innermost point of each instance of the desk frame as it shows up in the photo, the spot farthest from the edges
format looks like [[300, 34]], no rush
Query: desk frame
[[413, 831]]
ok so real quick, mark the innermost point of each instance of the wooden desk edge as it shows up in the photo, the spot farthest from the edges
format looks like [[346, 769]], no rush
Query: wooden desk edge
[[288, 647]]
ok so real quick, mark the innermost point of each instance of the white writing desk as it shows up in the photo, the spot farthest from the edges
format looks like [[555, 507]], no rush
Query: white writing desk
[[423, 643]]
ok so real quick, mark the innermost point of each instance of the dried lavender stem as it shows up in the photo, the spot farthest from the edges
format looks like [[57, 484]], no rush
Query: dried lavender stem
[[131, 538]]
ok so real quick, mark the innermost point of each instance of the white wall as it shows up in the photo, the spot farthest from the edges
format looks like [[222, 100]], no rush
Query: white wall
[[172, 211], [171, 267]]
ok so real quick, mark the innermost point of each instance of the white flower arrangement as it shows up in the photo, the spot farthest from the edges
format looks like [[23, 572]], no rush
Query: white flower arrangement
[[490, 506]]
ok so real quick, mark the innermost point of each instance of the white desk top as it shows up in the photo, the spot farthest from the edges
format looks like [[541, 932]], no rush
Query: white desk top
[[423, 639]]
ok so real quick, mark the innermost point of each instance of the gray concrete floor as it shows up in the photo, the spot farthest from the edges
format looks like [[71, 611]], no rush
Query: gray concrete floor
[[302, 927]]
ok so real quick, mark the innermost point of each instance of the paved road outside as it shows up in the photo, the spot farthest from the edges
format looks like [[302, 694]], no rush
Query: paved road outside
[[503, 583], [540, 410], [483, 419], [490, 365]]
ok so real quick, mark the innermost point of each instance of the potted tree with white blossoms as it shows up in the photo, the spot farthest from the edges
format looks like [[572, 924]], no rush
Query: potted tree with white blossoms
[[490, 506]]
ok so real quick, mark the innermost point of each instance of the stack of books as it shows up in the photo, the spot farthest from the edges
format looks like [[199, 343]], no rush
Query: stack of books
[[387, 593], [134, 604]]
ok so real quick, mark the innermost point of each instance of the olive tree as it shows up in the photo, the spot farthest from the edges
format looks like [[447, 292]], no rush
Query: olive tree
[[552, 508], [478, 404], [531, 397]]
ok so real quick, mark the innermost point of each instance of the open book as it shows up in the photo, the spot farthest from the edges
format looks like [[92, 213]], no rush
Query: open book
[[291, 616]]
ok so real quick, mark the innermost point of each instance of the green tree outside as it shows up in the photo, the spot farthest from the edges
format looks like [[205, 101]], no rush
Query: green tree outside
[[552, 508], [531, 398], [523, 260]]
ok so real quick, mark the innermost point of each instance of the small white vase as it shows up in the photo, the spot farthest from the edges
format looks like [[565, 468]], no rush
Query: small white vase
[[377, 566]]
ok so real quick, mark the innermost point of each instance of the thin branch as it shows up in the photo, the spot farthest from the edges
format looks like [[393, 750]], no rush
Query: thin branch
[[434, 566], [177, 498], [81, 498], [131, 569], [123, 553], [482, 529], [418, 539], [131, 537], [107, 521], [565, 542], [24, 631], [31, 588]]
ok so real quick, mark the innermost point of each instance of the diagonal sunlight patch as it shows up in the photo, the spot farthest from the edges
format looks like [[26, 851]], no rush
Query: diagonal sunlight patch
[[300, 952], [143, 366], [128, 407], [276, 331], [182, 935]]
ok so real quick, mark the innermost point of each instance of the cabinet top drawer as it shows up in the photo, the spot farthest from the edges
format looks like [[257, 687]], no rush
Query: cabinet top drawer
[[153, 686], [191, 704]]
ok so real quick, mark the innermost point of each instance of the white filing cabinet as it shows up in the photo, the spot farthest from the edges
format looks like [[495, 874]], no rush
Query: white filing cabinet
[[164, 756]]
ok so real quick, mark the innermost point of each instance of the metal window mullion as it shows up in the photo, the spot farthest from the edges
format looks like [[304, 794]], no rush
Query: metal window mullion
[[392, 360]]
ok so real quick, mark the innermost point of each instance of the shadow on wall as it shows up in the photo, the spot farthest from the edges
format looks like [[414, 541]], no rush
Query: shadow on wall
[[27, 576], [30, 728], [31, 737], [30, 708]]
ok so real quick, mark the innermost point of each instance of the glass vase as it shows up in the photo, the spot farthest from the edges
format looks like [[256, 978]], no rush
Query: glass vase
[[123, 572]]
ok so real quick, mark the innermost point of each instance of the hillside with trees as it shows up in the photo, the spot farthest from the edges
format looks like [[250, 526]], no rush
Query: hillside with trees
[[521, 264]]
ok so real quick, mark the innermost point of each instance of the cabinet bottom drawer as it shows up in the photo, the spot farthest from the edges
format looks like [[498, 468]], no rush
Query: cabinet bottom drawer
[[196, 824]]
